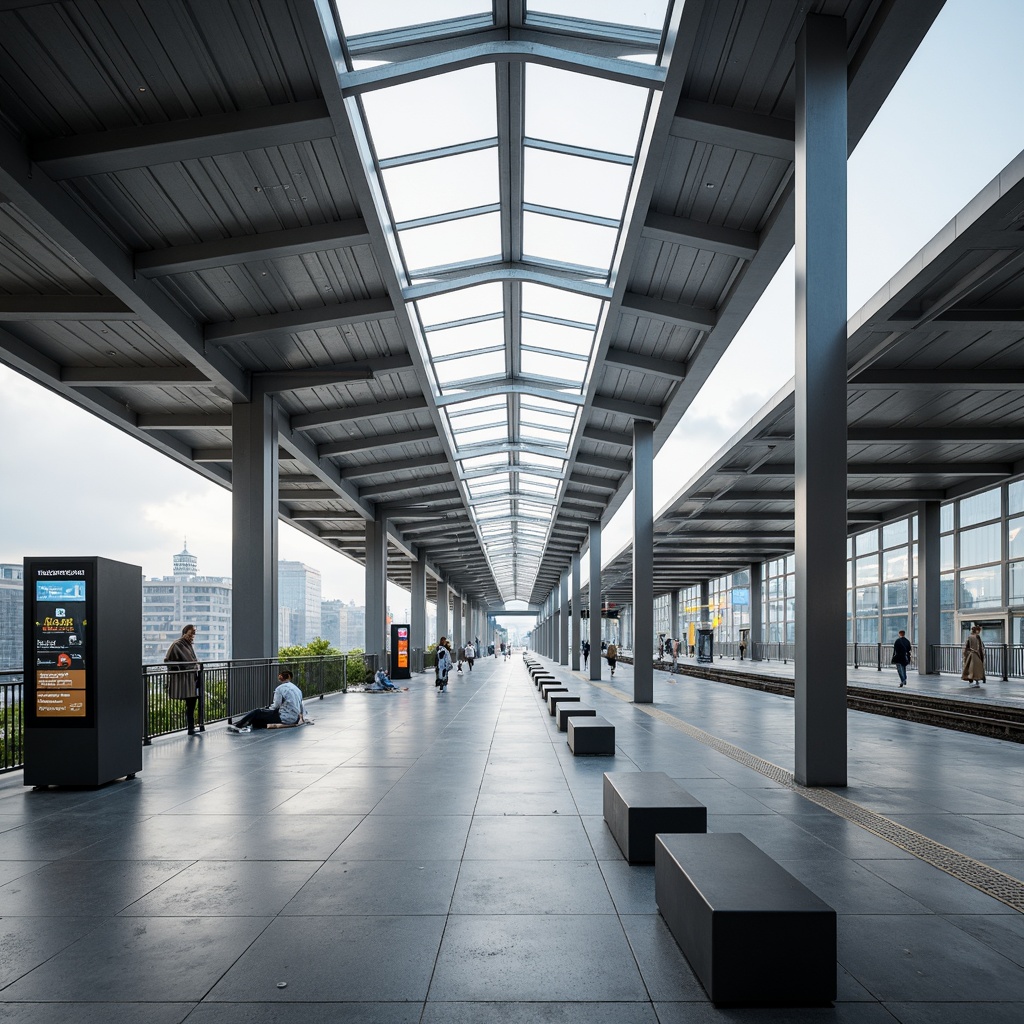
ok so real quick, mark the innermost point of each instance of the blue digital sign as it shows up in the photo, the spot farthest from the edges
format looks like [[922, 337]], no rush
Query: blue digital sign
[[60, 590]]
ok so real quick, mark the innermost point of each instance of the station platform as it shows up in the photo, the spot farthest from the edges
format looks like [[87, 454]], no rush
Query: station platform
[[425, 857]]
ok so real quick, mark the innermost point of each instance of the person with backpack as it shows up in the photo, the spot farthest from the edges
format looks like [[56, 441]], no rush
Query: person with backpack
[[442, 665]]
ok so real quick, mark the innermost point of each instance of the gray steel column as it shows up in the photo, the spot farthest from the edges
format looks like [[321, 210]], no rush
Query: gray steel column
[[595, 600], [457, 640], [442, 610], [643, 561], [674, 614], [821, 361], [563, 619], [418, 641], [929, 582], [376, 588], [705, 601], [577, 604], [253, 529], [756, 610]]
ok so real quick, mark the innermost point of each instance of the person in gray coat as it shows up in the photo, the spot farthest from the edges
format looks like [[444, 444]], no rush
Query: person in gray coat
[[183, 668]]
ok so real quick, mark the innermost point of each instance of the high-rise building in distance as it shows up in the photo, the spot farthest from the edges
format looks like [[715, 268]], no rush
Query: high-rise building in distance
[[12, 602], [298, 590]]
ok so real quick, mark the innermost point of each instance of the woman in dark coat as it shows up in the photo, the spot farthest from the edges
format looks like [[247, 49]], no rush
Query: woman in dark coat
[[183, 674], [974, 658]]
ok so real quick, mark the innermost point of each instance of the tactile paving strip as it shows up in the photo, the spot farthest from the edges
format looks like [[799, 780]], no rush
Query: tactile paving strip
[[999, 886]]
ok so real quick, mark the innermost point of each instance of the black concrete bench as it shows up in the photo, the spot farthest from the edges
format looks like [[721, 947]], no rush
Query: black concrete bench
[[639, 805], [566, 711], [542, 680], [591, 736], [552, 687], [555, 698], [752, 933]]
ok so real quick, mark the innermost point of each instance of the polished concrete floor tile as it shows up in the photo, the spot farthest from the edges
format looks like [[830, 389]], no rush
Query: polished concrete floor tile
[[934, 889], [850, 888], [387, 837], [27, 942], [535, 958], [1002, 933], [286, 837], [305, 1013], [96, 1013], [841, 1013], [631, 886], [335, 959], [11, 869], [601, 839], [231, 888], [131, 959], [377, 887], [664, 968], [538, 1013], [551, 837], [70, 888], [526, 887], [525, 803], [981, 1012], [924, 958]]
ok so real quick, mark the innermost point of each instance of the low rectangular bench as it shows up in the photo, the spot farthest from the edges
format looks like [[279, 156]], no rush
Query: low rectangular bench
[[752, 933], [542, 681], [549, 688], [566, 711], [555, 698], [591, 736], [639, 805]]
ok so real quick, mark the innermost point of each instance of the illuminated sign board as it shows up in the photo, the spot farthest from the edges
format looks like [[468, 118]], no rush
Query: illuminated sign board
[[60, 641], [403, 647]]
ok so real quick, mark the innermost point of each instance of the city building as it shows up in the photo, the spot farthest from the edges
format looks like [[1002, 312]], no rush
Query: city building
[[343, 624], [170, 602], [299, 590], [12, 600]]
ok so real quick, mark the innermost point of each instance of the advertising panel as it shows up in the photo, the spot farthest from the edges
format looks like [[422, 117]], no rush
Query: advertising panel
[[59, 609], [401, 664]]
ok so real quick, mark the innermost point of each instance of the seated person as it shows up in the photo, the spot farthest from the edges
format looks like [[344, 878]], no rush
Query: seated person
[[285, 710], [381, 681]]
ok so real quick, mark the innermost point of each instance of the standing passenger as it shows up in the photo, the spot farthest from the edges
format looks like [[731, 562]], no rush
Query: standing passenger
[[974, 657], [470, 655], [183, 678], [901, 652], [586, 653], [442, 665], [612, 655]]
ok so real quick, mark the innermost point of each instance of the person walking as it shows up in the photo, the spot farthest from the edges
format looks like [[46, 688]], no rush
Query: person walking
[[901, 653], [183, 668], [612, 655], [442, 665], [675, 656], [462, 658], [974, 657], [470, 653], [585, 651]]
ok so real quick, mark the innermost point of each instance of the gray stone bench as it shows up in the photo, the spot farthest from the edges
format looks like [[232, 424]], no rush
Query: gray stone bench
[[752, 933], [639, 805], [566, 711], [555, 698], [591, 736]]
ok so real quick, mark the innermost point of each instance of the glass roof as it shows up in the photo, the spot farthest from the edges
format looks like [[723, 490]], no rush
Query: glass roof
[[529, 172]]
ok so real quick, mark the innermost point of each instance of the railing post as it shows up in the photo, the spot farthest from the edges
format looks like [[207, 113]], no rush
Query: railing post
[[1006, 662], [879, 655], [147, 740], [202, 699]]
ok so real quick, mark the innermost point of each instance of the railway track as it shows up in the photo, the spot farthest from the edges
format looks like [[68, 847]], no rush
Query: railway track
[[995, 720]]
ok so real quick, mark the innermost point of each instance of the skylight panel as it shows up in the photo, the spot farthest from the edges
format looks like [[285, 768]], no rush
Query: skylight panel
[[470, 338], [556, 338], [590, 111], [459, 241], [575, 183], [560, 304], [461, 305], [359, 17], [430, 113], [476, 462], [648, 14], [482, 434], [484, 418], [548, 366], [477, 366], [487, 488], [557, 240], [446, 184], [541, 461], [540, 417]]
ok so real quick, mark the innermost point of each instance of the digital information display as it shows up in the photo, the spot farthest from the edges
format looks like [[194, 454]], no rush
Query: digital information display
[[60, 630], [403, 647]]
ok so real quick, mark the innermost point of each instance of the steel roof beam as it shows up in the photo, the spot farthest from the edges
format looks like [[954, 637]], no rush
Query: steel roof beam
[[634, 410], [695, 234], [132, 376], [184, 421], [504, 387], [379, 468], [874, 469], [508, 271], [413, 484], [268, 245], [327, 517], [362, 444], [224, 455], [276, 324], [607, 437], [625, 360], [21, 307], [191, 139], [904, 379], [598, 462], [719, 125], [304, 421], [406, 510], [384, 76], [935, 435], [676, 314]]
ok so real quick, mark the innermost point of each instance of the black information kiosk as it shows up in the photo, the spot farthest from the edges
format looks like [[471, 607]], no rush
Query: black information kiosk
[[83, 684], [400, 652]]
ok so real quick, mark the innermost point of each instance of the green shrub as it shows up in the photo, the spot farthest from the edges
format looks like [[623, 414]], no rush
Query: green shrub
[[356, 667]]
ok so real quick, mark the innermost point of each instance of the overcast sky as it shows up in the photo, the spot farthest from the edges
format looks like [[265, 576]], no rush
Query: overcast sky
[[73, 485]]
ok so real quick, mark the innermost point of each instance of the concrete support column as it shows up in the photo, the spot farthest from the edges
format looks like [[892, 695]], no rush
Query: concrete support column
[[595, 600], [674, 614], [254, 529], [756, 610], [705, 601], [820, 478], [376, 588], [418, 641], [442, 610], [457, 640], [563, 619], [643, 562], [577, 607], [929, 581]]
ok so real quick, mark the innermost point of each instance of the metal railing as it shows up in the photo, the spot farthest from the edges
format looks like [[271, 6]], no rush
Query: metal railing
[[227, 689], [1002, 661]]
